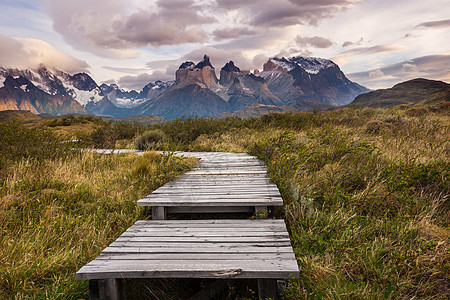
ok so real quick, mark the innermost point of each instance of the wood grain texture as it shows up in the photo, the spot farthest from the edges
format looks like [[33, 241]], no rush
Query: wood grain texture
[[220, 182], [207, 249]]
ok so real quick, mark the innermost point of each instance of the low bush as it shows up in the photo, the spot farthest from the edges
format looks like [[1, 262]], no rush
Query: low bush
[[107, 134], [152, 139]]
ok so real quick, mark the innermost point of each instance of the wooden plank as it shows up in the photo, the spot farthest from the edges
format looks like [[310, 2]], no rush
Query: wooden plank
[[208, 209], [215, 223], [250, 264], [195, 256], [206, 239], [269, 201], [223, 234], [213, 195], [214, 189], [200, 228], [227, 186], [206, 197], [232, 248], [187, 269]]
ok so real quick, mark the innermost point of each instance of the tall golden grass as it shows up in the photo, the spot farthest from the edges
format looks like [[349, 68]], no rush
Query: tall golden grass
[[58, 214]]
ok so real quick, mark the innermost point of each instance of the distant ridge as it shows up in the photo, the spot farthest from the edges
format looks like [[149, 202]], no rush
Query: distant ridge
[[22, 116], [257, 110], [417, 91]]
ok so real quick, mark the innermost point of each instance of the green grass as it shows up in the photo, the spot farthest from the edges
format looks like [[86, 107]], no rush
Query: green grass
[[57, 213], [366, 195]]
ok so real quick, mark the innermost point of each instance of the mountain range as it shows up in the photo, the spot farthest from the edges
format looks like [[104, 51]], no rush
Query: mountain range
[[303, 82]]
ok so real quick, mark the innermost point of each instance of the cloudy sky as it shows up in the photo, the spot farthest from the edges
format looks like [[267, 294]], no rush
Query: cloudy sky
[[377, 43]]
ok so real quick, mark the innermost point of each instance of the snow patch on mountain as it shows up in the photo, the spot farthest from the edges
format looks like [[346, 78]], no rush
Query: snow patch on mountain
[[312, 65], [83, 97], [24, 87], [283, 62]]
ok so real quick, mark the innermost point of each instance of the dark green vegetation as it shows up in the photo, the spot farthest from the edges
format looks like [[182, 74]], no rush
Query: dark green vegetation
[[366, 194], [417, 91]]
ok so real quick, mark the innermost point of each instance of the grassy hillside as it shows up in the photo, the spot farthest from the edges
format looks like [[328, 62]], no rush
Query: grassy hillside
[[257, 110], [23, 116], [413, 92], [366, 194]]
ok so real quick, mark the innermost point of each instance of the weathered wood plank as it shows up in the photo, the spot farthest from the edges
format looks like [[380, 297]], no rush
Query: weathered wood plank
[[216, 189], [181, 239], [269, 201], [194, 256], [223, 234], [182, 197], [178, 269], [232, 248], [199, 229], [215, 223], [208, 209]]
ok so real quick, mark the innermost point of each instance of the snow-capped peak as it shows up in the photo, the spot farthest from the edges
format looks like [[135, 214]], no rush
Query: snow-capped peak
[[283, 63], [311, 65]]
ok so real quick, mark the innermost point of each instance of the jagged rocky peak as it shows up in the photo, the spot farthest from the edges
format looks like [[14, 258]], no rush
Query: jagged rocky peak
[[187, 65], [202, 74], [83, 81], [229, 73], [204, 63], [230, 67]]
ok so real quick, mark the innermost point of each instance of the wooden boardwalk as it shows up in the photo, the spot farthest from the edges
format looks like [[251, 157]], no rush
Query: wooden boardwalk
[[221, 249], [221, 182]]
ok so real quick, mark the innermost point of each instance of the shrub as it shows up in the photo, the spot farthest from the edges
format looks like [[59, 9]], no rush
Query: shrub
[[151, 139], [18, 141], [417, 112], [106, 134], [376, 127]]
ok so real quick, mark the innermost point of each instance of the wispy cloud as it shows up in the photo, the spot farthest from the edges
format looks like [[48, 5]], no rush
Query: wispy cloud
[[232, 33], [435, 24], [315, 41], [139, 81], [430, 66]]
